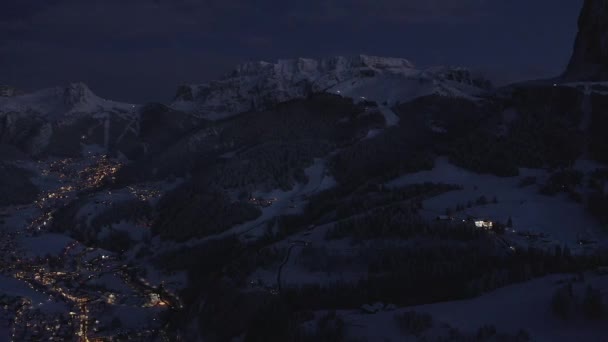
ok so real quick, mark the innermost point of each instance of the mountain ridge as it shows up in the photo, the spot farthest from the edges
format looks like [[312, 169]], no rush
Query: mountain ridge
[[260, 85], [59, 102]]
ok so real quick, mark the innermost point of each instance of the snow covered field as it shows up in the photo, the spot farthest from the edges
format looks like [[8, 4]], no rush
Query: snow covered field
[[559, 217], [509, 309], [523, 305]]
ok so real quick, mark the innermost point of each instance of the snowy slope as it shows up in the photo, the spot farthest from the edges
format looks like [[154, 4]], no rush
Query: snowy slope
[[509, 309], [561, 219], [63, 115], [258, 85]]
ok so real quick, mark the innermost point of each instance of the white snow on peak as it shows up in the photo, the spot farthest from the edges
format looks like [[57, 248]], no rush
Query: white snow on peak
[[61, 102], [259, 85]]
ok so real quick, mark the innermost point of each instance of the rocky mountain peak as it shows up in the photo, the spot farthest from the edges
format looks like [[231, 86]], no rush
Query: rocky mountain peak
[[309, 65], [385, 62], [589, 61], [77, 93], [260, 85]]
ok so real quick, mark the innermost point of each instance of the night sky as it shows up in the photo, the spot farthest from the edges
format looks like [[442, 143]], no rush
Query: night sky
[[140, 50]]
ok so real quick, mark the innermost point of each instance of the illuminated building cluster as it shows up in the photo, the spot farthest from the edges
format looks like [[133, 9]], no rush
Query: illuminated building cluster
[[145, 193], [70, 286], [262, 202], [485, 224], [102, 170], [70, 277]]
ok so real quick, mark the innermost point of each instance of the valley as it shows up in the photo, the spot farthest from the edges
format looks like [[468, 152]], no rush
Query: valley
[[347, 198]]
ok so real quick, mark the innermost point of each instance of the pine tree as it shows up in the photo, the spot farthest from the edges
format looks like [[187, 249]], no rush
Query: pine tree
[[562, 302], [592, 303]]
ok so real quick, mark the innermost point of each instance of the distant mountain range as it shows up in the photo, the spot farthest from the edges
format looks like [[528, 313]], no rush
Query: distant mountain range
[[65, 120], [260, 85]]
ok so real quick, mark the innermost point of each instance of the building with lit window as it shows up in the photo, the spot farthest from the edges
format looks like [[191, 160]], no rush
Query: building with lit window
[[485, 224]]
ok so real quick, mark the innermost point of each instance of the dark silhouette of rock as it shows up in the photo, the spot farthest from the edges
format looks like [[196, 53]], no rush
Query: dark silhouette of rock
[[589, 61]]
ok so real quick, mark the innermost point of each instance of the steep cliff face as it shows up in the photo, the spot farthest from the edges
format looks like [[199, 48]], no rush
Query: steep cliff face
[[589, 60]]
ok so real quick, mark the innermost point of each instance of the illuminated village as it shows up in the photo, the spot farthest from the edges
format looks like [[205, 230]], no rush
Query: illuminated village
[[160, 182], [75, 292]]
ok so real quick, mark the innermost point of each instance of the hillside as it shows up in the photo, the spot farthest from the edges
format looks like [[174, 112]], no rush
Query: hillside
[[339, 199]]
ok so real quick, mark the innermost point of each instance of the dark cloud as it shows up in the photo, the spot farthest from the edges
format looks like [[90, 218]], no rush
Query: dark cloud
[[389, 11], [77, 20], [141, 49]]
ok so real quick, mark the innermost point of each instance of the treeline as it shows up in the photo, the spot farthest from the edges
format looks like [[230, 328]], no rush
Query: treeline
[[414, 276], [346, 201], [536, 138], [421, 325], [270, 165], [321, 117], [381, 158], [597, 204], [400, 222], [598, 143], [566, 304], [597, 198], [376, 196], [542, 132], [196, 209]]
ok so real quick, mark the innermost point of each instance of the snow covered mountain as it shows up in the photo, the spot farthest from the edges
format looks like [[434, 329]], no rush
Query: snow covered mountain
[[73, 121], [259, 85], [62, 103], [62, 119]]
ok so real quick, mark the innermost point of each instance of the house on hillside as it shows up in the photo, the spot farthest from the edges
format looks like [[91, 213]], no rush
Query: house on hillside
[[483, 223], [262, 202]]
